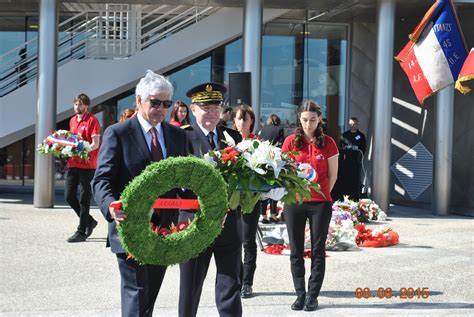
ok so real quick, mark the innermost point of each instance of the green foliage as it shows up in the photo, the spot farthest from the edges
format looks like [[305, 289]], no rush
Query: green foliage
[[175, 172]]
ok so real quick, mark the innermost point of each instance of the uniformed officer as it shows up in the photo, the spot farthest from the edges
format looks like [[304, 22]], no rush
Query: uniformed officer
[[206, 103]]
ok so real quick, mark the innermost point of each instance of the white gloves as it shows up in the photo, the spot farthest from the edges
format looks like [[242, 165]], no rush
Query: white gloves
[[275, 193]]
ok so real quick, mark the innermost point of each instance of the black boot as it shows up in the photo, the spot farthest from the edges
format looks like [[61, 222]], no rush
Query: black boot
[[311, 303], [299, 303]]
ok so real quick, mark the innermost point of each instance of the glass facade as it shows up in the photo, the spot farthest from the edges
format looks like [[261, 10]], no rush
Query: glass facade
[[299, 60]]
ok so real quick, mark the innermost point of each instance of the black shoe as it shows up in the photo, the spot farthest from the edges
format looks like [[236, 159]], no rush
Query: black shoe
[[299, 303], [265, 221], [77, 237], [246, 291], [311, 303], [90, 228]]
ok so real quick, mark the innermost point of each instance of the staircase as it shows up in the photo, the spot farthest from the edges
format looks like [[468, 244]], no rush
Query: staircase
[[104, 53]]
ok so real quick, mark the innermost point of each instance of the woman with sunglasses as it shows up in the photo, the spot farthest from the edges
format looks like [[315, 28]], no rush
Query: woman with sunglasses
[[320, 151]]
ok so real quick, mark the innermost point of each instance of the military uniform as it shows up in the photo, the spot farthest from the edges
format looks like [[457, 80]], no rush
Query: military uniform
[[227, 248]]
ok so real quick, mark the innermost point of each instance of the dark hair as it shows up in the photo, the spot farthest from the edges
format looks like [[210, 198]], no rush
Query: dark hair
[[83, 98], [241, 113], [174, 112], [126, 114], [273, 119], [227, 109], [354, 119], [311, 106]]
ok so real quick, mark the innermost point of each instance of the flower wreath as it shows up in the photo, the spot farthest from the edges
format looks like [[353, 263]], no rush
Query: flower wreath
[[135, 233]]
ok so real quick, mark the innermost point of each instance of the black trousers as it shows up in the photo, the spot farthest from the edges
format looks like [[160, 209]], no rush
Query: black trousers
[[139, 286], [227, 251], [319, 215], [249, 233], [273, 207], [74, 177]]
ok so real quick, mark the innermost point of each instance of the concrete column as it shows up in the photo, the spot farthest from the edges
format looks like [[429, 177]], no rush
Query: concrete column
[[46, 107], [383, 103], [443, 150], [252, 50]]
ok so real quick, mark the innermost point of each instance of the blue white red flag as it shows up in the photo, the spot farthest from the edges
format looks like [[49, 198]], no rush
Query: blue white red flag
[[436, 52]]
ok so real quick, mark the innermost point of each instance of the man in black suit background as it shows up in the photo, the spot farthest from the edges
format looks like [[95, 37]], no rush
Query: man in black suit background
[[272, 131], [128, 147], [227, 248]]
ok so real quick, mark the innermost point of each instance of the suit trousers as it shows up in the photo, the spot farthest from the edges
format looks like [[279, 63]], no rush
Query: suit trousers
[[227, 251], [319, 215], [139, 286], [74, 177], [249, 230]]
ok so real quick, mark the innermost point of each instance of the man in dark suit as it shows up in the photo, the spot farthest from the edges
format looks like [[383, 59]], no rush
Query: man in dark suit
[[227, 248], [127, 149]]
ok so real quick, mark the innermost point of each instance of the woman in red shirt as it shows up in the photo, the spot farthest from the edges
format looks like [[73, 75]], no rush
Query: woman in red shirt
[[320, 151]]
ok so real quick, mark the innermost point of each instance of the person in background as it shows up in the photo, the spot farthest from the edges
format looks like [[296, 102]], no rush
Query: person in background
[[321, 152], [244, 122], [126, 114], [203, 136], [128, 148], [81, 171], [353, 145], [225, 116], [179, 116], [273, 132]]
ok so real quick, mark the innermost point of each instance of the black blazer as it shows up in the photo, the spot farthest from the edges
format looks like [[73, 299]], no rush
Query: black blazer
[[198, 145], [272, 133], [123, 155]]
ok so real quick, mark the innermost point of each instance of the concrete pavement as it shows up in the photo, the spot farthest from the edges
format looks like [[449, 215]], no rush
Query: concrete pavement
[[43, 275]]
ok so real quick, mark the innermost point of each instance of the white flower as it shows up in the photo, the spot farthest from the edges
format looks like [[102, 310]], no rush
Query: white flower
[[87, 146], [382, 216], [209, 159], [67, 151], [230, 141], [245, 145]]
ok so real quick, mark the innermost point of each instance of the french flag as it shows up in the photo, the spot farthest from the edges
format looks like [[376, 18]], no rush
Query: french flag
[[436, 52], [466, 74]]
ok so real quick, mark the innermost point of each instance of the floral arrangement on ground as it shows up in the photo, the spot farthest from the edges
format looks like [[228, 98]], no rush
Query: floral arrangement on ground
[[167, 246], [253, 167], [64, 144], [345, 231]]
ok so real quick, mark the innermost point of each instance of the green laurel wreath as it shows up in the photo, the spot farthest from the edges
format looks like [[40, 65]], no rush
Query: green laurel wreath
[[158, 178]]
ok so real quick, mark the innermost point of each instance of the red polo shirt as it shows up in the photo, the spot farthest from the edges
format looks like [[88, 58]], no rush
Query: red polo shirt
[[88, 126], [317, 158]]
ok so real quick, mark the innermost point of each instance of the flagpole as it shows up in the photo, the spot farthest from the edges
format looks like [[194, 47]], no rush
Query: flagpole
[[383, 103], [443, 151]]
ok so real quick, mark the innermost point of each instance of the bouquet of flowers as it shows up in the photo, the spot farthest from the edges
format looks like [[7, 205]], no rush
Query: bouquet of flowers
[[64, 144], [253, 167], [341, 233], [382, 236], [365, 210]]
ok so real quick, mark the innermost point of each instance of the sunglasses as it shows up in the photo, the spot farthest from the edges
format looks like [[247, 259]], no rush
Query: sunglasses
[[155, 103]]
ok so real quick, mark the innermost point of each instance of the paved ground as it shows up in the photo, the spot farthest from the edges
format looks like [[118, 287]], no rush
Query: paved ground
[[42, 275]]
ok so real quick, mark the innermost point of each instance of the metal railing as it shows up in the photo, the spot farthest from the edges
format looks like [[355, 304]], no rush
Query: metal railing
[[119, 31]]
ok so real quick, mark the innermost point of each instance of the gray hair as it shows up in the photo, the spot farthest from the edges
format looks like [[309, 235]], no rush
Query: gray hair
[[152, 84]]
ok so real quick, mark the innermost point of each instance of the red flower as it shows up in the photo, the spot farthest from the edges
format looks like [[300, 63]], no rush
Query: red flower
[[164, 231], [230, 156], [182, 225]]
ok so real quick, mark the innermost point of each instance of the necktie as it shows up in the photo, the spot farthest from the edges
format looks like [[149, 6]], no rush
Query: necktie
[[210, 137], [156, 152]]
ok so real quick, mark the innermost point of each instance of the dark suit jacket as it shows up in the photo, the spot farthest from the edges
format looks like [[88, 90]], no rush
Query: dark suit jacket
[[123, 155], [198, 145], [272, 133]]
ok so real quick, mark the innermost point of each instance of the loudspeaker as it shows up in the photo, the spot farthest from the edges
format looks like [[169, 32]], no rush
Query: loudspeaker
[[240, 90]]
